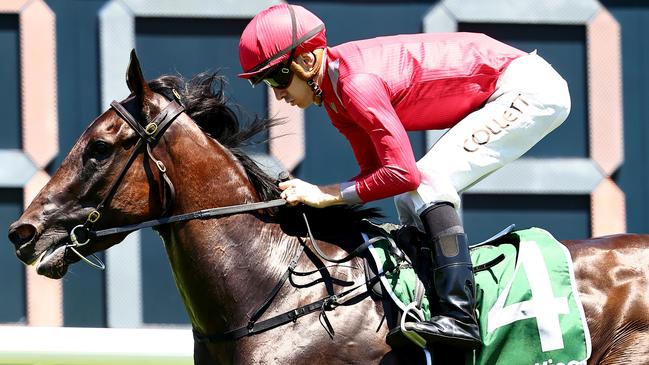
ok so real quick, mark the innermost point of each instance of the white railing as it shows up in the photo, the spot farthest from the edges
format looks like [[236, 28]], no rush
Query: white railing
[[94, 346]]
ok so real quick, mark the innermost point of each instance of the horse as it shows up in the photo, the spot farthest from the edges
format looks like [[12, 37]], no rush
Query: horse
[[226, 266]]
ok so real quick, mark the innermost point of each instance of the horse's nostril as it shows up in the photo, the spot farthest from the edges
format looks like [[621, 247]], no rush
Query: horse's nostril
[[22, 234]]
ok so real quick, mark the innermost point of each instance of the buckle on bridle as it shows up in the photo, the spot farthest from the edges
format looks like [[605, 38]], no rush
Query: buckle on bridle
[[176, 95], [93, 216], [295, 314], [151, 128], [330, 303]]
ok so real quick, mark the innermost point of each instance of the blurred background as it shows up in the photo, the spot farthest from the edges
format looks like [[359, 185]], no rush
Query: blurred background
[[63, 61]]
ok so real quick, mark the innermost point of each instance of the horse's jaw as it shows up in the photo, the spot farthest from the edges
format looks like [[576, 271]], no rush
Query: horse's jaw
[[53, 263]]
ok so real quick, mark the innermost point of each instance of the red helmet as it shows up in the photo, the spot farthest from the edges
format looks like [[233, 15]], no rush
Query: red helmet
[[276, 35]]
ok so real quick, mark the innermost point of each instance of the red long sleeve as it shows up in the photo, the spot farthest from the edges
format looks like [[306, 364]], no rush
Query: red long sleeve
[[377, 89]]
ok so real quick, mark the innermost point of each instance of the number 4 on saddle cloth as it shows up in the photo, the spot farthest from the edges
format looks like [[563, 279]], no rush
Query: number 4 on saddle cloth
[[527, 302]]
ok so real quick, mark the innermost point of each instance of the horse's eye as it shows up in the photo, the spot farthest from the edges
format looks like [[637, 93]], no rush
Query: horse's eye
[[99, 150]]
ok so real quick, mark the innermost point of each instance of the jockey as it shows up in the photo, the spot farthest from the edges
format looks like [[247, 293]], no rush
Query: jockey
[[497, 101]]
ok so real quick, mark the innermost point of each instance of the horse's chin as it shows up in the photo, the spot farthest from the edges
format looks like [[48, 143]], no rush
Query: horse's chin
[[52, 263]]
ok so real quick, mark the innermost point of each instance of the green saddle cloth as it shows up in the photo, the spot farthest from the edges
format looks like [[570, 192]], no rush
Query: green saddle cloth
[[528, 306]]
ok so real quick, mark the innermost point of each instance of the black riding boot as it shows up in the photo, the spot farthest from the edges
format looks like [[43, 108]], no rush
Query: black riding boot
[[452, 278]]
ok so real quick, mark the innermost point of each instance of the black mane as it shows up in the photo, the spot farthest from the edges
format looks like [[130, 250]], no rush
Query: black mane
[[205, 101]]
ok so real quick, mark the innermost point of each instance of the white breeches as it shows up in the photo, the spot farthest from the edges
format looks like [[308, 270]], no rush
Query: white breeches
[[531, 99]]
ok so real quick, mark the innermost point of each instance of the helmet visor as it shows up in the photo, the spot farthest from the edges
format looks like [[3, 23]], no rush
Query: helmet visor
[[279, 77]]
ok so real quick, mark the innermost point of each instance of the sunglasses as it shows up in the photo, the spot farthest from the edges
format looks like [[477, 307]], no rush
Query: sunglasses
[[279, 77]]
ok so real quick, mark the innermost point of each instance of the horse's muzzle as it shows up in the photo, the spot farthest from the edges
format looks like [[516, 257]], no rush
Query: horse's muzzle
[[22, 236]]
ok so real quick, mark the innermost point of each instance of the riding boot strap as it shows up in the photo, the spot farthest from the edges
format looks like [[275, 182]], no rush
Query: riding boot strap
[[449, 249]]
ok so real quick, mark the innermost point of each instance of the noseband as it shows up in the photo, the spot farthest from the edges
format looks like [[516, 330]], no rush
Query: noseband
[[149, 136]]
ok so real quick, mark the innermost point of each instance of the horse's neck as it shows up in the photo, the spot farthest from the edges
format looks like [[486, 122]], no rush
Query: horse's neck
[[222, 266], [226, 266]]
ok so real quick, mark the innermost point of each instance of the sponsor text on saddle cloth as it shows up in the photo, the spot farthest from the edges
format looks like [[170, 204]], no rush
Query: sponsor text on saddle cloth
[[528, 306]]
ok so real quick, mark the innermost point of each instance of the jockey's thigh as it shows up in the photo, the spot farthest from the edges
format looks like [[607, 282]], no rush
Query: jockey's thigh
[[531, 99]]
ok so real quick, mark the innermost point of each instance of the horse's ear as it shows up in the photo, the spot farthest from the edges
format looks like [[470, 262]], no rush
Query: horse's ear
[[134, 77]]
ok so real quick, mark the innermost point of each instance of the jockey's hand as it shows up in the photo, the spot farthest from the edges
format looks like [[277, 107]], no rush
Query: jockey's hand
[[296, 191]]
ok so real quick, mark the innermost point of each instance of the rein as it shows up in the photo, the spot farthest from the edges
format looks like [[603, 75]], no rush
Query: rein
[[200, 214]]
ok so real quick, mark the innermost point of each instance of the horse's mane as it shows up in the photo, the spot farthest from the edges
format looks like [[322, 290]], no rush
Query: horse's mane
[[204, 100]]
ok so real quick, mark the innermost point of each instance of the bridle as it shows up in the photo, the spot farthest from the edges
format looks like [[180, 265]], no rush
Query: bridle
[[149, 136]]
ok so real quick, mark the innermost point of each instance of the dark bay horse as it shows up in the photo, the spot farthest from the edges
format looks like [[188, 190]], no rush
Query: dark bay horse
[[226, 267]]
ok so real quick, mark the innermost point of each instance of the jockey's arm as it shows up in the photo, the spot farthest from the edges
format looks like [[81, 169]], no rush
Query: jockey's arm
[[380, 143], [394, 169]]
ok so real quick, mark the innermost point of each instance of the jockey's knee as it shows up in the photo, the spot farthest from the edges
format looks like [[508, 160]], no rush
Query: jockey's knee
[[412, 204], [440, 219]]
